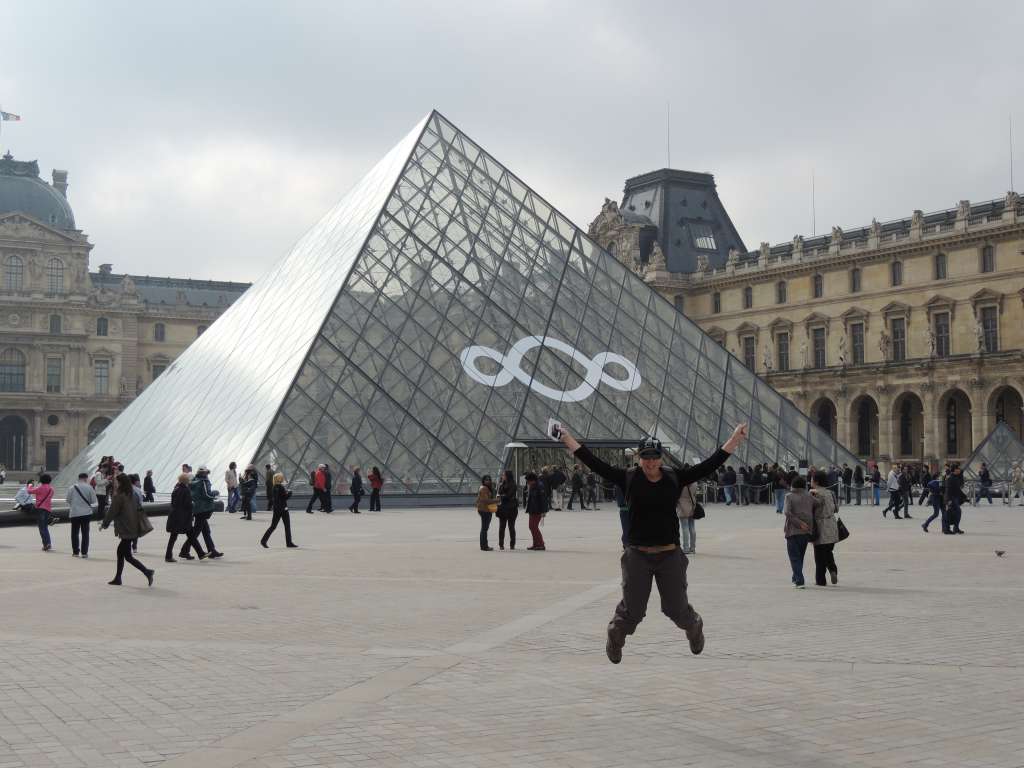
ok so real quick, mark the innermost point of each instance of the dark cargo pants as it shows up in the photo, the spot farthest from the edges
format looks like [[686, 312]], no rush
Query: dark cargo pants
[[668, 569]]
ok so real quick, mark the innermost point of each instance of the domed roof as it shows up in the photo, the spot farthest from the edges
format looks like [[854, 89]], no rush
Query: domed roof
[[22, 190]]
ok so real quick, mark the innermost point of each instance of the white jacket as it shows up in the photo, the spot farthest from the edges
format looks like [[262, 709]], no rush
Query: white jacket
[[101, 483], [231, 479], [893, 481]]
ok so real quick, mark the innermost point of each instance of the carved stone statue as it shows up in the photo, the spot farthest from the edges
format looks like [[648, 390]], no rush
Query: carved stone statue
[[929, 340], [128, 285], [876, 228], [979, 331], [767, 357], [124, 385], [843, 351], [803, 354], [657, 259], [703, 265], [883, 345], [963, 209], [837, 236]]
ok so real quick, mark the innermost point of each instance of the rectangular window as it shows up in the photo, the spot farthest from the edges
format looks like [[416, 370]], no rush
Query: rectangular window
[[102, 369], [749, 352], [818, 286], [855, 281], [782, 343], [818, 344], [748, 297], [940, 266], [55, 324], [857, 343], [899, 339], [52, 456], [942, 334], [988, 259], [157, 370], [990, 326], [897, 273], [703, 237], [716, 302], [54, 374]]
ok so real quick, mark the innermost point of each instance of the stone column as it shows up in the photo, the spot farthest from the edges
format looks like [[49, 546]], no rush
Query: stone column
[[36, 454], [885, 437], [930, 423], [843, 426]]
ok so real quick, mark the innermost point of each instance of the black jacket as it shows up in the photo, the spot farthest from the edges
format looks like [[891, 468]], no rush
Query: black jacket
[[508, 498], [281, 496], [954, 489], [536, 503], [147, 485], [179, 519]]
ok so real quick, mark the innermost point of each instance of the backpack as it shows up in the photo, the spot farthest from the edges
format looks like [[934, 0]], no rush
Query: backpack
[[673, 479]]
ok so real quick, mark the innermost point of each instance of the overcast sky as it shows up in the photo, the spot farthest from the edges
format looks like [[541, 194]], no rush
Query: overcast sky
[[203, 138]]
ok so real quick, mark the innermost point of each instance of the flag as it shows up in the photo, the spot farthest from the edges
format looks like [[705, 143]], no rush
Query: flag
[[9, 116]]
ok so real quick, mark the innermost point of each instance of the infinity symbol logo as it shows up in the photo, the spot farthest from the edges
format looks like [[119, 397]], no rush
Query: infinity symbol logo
[[511, 369]]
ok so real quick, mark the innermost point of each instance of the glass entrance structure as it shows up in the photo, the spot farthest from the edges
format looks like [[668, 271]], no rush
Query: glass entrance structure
[[439, 312], [1000, 451]]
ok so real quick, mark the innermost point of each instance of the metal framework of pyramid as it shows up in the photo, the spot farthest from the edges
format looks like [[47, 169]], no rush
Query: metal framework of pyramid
[[1000, 450], [439, 312]]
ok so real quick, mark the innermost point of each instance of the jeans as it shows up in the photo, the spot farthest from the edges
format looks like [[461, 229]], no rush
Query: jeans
[[796, 547], [983, 490], [780, 499], [639, 569], [43, 521], [730, 494], [538, 539], [689, 531], [895, 502], [124, 553], [485, 524], [200, 526], [355, 502], [877, 491], [80, 525], [233, 498], [936, 512], [577, 492], [375, 499], [283, 517], [507, 519], [824, 560]]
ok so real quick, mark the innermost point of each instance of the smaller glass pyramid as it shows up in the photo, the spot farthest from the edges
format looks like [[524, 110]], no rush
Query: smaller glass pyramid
[[1000, 451]]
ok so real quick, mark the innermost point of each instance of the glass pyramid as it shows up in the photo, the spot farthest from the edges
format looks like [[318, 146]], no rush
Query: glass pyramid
[[439, 312], [1000, 450]]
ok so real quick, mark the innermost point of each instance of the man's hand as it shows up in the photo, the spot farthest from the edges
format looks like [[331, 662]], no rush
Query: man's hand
[[738, 436], [569, 441]]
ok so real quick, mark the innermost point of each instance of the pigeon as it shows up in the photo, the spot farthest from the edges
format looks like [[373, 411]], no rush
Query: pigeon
[[1000, 552]]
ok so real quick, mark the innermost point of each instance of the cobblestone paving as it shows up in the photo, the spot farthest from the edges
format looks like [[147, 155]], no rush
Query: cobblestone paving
[[391, 640]]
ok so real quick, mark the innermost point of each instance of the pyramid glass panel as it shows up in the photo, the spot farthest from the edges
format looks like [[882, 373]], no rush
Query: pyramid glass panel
[[1000, 451], [453, 311]]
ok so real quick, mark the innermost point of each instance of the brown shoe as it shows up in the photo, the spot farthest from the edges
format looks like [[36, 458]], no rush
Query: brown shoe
[[696, 635]]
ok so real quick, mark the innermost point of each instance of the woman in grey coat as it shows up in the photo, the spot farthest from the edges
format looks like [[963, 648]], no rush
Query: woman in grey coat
[[828, 531], [798, 509], [126, 514]]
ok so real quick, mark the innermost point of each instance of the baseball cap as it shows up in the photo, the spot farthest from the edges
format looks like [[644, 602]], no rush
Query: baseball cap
[[203, 468], [649, 449]]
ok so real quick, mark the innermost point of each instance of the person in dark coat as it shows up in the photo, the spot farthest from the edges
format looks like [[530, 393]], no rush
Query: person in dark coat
[[204, 500], [179, 519], [148, 487], [508, 509], [247, 488], [126, 514], [268, 485], [356, 488], [280, 497], [955, 497]]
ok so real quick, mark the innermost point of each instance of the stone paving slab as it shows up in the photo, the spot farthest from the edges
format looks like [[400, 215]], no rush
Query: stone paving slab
[[391, 640]]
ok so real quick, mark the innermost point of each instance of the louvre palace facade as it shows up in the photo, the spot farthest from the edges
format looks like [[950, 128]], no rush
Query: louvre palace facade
[[903, 339], [76, 347]]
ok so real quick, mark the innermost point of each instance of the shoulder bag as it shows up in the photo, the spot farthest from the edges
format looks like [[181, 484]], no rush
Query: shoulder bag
[[844, 532], [698, 508]]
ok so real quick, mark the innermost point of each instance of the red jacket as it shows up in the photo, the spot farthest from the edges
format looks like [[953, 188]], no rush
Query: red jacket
[[376, 481], [320, 480]]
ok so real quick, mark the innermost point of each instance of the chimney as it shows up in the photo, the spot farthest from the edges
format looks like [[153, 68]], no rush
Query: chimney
[[60, 182]]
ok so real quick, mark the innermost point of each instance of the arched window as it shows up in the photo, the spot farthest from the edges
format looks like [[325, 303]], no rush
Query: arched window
[[96, 426], [678, 301], [14, 273], [818, 286], [780, 292], [896, 270], [748, 297], [940, 266], [716, 302], [55, 324], [55, 276], [855, 280], [160, 332], [12, 371], [102, 326]]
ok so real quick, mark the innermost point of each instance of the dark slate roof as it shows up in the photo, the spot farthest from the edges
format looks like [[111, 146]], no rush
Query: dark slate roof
[[156, 291], [23, 191], [684, 205]]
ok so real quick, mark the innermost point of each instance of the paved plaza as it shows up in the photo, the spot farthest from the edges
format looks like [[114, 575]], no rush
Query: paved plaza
[[389, 639]]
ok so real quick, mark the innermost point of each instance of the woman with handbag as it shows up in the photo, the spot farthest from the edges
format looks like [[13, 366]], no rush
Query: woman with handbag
[[827, 531], [486, 506], [686, 509], [130, 522], [280, 505], [43, 494], [508, 509]]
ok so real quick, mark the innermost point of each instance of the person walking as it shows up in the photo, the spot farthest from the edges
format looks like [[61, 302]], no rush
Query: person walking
[[1017, 481], [955, 498], [826, 533], [892, 484], [148, 487], [179, 519], [729, 485], [204, 501], [799, 509], [43, 503], [935, 493], [906, 491], [281, 496], [848, 481], [486, 506], [376, 483], [508, 509], [984, 484], [318, 479], [536, 508], [858, 482], [100, 483], [356, 489], [780, 484], [268, 486], [653, 551], [876, 487], [684, 510], [926, 478], [576, 488], [130, 522], [592, 490], [231, 481], [247, 490], [80, 500]]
